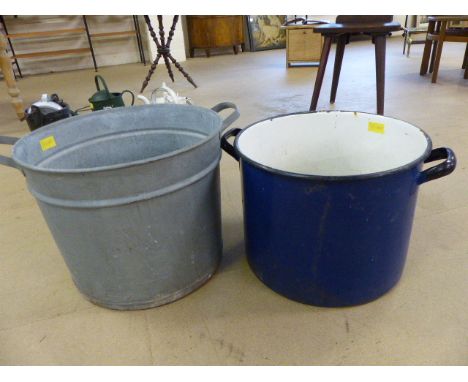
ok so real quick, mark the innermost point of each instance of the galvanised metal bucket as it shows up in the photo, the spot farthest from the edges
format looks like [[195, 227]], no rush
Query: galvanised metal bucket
[[132, 198], [329, 199]]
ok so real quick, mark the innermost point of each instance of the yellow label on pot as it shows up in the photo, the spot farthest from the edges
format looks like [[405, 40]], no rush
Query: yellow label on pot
[[48, 143], [376, 127]]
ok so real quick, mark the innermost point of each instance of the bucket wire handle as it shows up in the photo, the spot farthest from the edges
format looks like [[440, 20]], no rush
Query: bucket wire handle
[[133, 95], [98, 78], [232, 117], [226, 146], [6, 160], [440, 170]]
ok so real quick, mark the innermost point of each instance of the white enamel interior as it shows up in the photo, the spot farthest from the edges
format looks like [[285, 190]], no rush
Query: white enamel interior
[[332, 143]]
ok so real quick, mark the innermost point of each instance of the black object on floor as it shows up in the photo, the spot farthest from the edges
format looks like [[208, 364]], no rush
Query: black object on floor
[[40, 113]]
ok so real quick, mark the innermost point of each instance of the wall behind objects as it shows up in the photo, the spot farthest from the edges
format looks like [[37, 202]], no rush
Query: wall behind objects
[[108, 50]]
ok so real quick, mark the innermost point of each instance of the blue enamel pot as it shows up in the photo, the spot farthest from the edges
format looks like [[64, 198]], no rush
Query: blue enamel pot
[[329, 199]]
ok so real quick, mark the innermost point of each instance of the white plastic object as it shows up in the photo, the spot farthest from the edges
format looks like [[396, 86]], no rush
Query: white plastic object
[[46, 104], [167, 95]]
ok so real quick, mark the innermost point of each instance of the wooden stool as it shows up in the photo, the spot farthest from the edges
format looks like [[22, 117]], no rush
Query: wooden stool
[[376, 26], [7, 70], [439, 32]]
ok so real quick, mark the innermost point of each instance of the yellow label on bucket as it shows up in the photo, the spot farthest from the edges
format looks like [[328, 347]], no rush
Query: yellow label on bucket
[[376, 127], [48, 143]]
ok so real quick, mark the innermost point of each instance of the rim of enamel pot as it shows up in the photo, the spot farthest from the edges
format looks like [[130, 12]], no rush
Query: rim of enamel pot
[[363, 176]]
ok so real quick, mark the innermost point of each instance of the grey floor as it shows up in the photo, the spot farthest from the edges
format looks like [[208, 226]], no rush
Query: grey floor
[[234, 319]]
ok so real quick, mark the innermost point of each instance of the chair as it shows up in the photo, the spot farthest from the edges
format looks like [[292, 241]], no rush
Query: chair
[[439, 31], [378, 27], [7, 70], [409, 31]]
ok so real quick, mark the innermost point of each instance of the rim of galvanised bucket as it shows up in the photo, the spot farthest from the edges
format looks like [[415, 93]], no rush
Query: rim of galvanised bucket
[[117, 166], [340, 178]]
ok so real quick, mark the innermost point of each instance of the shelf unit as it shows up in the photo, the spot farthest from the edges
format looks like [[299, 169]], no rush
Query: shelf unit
[[77, 51], [49, 33], [135, 32]]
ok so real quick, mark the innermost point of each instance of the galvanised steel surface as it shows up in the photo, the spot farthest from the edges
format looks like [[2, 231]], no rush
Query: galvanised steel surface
[[131, 196], [328, 227]]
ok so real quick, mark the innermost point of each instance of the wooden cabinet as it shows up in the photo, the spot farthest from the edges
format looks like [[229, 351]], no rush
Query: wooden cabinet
[[302, 45], [207, 32]]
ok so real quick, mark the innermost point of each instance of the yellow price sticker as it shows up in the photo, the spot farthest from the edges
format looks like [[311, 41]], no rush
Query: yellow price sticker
[[48, 143], [376, 127]]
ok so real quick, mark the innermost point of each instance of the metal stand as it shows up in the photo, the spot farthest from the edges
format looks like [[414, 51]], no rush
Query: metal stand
[[85, 22], [139, 39], [163, 49]]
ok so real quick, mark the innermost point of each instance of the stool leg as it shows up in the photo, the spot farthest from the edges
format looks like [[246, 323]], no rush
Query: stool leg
[[380, 42], [340, 47], [321, 72], [427, 50]]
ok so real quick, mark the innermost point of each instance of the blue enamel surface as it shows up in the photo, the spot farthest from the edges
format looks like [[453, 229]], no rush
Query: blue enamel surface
[[328, 243]]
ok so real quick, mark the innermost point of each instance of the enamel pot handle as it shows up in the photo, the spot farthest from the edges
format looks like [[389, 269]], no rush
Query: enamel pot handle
[[226, 146], [6, 160], [440, 170], [232, 117]]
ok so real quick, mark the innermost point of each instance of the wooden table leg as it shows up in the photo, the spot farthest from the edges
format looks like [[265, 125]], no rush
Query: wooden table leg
[[380, 44], [440, 45], [433, 54], [321, 72], [7, 70], [465, 63], [434, 49], [465, 59], [427, 50], [340, 48], [405, 41]]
